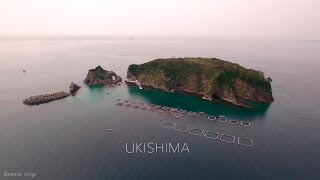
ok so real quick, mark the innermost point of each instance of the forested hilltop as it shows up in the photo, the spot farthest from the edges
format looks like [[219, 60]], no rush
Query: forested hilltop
[[208, 77]]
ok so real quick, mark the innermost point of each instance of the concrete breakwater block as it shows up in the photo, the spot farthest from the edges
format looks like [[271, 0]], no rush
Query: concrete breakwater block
[[45, 98], [119, 104], [128, 105], [136, 106], [146, 108]]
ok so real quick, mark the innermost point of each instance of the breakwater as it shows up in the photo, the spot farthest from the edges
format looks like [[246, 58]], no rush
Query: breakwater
[[45, 98]]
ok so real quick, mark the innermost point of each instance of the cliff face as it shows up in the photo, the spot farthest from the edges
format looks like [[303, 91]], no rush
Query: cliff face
[[249, 92], [206, 77], [73, 88], [99, 76]]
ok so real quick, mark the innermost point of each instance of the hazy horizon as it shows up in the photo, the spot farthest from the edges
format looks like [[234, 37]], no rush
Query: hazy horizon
[[265, 19]]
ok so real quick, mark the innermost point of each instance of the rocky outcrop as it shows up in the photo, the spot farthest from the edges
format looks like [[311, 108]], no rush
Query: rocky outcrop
[[255, 93], [45, 98], [99, 76], [207, 77], [73, 88]]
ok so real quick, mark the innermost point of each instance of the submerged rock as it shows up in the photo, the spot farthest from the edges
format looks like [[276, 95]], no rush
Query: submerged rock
[[73, 88], [99, 76]]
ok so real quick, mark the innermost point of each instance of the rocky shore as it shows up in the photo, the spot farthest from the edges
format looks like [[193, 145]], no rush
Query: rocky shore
[[45, 98]]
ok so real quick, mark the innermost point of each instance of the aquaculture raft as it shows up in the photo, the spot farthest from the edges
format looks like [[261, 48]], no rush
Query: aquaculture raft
[[178, 113], [245, 141], [224, 137], [196, 131], [45, 98], [168, 125], [208, 134], [181, 128]]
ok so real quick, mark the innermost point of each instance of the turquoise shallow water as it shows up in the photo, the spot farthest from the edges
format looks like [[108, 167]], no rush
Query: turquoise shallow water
[[68, 139]]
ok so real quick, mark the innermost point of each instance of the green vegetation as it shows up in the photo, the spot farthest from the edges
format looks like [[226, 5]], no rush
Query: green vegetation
[[98, 72], [99, 76], [217, 72]]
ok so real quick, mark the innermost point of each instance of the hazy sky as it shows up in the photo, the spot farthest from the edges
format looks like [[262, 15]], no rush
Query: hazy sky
[[294, 19]]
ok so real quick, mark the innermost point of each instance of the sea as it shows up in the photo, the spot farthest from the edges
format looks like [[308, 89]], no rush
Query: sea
[[87, 136]]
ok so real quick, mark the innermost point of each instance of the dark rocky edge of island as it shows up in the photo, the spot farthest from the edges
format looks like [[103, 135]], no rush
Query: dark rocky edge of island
[[99, 76], [210, 78]]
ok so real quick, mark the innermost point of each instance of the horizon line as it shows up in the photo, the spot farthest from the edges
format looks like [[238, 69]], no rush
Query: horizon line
[[149, 35]]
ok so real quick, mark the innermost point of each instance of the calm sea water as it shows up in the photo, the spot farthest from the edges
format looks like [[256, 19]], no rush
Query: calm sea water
[[68, 139]]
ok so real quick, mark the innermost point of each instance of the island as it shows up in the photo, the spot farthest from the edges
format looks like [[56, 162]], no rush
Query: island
[[210, 78], [99, 76]]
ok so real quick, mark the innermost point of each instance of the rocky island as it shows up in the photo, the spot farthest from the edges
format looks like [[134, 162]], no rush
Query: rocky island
[[99, 76], [209, 78]]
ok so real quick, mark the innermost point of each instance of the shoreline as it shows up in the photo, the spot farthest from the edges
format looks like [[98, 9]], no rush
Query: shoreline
[[238, 104]]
